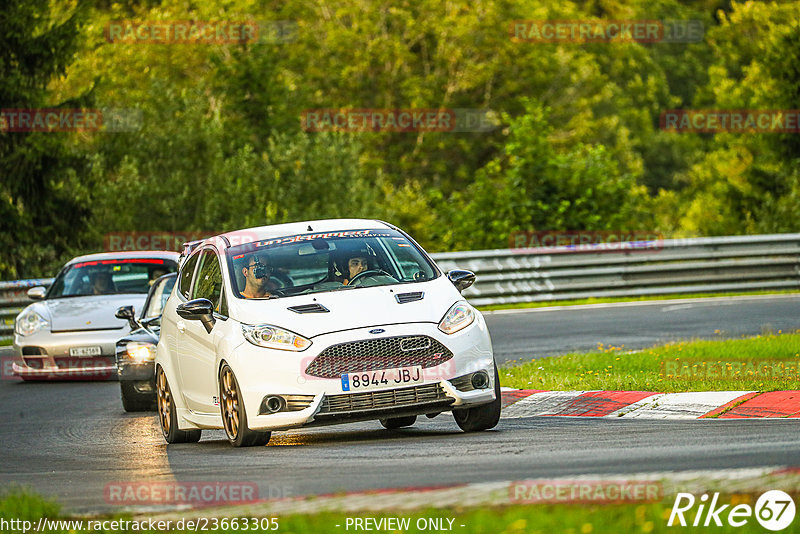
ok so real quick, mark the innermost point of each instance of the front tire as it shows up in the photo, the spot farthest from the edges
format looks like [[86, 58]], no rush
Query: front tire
[[398, 422], [168, 416], [133, 401], [234, 417], [481, 417]]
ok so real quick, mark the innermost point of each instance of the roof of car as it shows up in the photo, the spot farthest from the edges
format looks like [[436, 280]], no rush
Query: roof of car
[[262, 233], [156, 254]]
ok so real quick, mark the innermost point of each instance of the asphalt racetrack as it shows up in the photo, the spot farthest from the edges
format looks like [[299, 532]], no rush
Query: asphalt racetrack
[[524, 334], [70, 440]]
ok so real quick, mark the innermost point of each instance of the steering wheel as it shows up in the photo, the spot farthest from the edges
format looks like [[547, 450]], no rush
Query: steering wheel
[[369, 272], [277, 292]]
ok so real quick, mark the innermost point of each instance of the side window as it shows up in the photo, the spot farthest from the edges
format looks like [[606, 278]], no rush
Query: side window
[[186, 276], [208, 282]]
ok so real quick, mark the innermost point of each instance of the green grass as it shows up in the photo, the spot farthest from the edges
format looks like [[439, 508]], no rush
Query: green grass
[[615, 368], [605, 300], [513, 519]]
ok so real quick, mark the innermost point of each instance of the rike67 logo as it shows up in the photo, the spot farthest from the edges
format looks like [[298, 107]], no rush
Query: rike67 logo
[[774, 510]]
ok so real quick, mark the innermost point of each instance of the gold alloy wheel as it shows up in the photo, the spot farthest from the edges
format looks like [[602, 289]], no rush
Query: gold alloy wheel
[[164, 398], [230, 403]]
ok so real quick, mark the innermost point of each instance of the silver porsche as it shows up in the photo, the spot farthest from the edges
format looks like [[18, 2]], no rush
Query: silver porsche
[[71, 331]]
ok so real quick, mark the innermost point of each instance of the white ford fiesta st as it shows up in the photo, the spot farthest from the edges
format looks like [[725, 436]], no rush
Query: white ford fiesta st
[[316, 323]]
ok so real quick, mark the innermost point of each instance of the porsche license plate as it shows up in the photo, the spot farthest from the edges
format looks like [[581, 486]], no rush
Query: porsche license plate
[[85, 351], [382, 379]]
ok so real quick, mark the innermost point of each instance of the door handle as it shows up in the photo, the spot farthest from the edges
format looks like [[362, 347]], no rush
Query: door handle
[[181, 326]]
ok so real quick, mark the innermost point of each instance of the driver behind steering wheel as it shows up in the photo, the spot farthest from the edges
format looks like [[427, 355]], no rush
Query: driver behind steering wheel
[[352, 263], [355, 265]]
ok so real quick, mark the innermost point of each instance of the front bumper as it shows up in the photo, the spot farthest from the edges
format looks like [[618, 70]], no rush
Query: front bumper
[[321, 410], [81, 370], [320, 401], [46, 355]]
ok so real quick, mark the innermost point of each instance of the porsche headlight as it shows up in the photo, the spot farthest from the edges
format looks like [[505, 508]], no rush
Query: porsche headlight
[[272, 337], [141, 352], [459, 316], [29, 322]]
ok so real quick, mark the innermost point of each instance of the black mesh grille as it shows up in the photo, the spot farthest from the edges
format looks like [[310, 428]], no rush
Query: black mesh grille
[[402, 298], [309, 308], [370, 400], [76, 363], [375, 354]]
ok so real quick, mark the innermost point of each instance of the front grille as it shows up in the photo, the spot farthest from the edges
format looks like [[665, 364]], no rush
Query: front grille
[[77, 363], [376, 354], [370, 400], [35, 363]]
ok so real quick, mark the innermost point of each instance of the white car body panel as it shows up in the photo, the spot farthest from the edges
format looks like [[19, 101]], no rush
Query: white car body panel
[[192, 358]]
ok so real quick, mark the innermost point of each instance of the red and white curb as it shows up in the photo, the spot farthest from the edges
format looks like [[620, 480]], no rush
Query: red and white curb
[[651, 405], [741, 481]]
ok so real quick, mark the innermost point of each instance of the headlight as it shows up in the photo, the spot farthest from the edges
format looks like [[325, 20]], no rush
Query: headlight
[[459, 316], [266, 335], [29, 323], [141, 352]]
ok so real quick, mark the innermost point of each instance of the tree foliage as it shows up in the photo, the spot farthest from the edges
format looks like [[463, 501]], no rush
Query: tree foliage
[[576, 142]]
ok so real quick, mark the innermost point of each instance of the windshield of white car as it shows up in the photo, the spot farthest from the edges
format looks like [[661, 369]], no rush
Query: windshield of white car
[[333, 261], [109, 277]]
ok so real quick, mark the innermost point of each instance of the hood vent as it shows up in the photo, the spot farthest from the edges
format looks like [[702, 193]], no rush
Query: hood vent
[[402, 298], [309, 308]]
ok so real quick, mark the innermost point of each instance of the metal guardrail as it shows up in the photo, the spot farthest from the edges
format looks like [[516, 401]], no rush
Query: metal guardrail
[[671, 266]]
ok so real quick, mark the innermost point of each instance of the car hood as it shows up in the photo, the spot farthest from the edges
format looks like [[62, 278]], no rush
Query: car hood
[[352, 308], [94, 312]]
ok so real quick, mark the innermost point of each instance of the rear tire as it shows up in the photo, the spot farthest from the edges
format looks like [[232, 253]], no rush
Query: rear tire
[[481, 417], [168, 416], [398, 422], [234, 417], [133, 401]]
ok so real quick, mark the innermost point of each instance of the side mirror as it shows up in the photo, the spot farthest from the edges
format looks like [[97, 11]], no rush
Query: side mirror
[[198, 310], [37, 293], [128, 313], [461, 279]]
